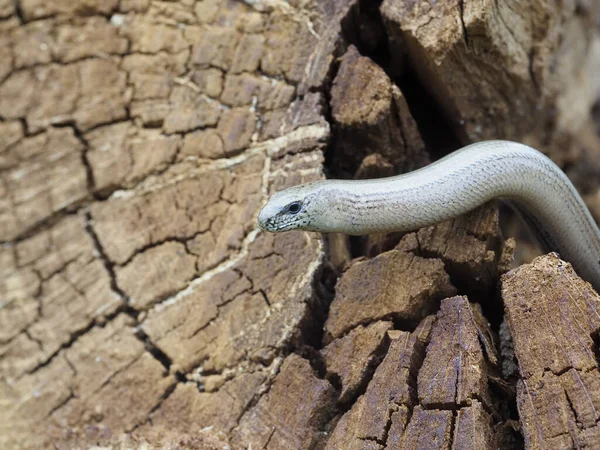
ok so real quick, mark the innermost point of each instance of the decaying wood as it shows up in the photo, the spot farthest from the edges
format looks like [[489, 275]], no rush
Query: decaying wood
[[371, 116], [432, 386], [140, 306], [558, 393]]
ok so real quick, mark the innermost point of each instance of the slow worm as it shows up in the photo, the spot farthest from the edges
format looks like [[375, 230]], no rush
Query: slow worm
[[454, 185]]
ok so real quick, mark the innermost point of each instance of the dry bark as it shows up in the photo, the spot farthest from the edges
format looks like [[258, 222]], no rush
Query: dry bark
[[558, 393], [141, 306]]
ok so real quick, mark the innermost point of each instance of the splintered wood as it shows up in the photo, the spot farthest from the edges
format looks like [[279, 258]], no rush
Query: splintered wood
[[554, 318], [432, 386]]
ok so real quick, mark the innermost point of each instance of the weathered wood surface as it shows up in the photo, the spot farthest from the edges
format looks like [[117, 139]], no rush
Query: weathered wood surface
[[140, 305], [558, 393]]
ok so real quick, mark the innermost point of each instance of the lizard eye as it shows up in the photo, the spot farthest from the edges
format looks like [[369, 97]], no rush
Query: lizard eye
[[294, 208]]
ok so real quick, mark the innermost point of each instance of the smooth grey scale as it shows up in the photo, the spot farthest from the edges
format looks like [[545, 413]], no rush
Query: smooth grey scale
[[454, 185]]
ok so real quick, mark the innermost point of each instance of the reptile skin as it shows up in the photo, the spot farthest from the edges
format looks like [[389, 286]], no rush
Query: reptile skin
[[454, 185]]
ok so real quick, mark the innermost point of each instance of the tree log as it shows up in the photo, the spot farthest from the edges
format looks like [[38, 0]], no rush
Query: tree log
[[140, 305]]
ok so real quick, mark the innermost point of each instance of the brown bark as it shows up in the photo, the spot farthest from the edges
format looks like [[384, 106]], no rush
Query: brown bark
[[141, 306], [558, 393]]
